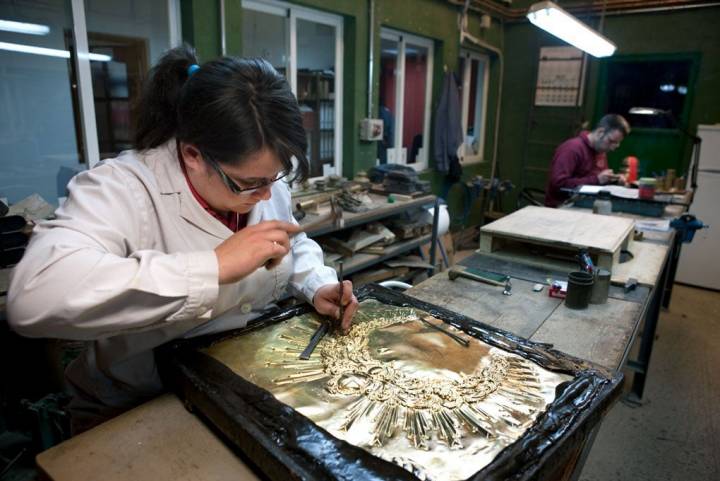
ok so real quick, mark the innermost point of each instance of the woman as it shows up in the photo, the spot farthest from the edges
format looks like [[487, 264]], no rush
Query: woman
[[187, 234]]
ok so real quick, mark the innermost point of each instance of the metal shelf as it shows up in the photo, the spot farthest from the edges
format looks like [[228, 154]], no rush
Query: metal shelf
[[359, 262], [388, 210]]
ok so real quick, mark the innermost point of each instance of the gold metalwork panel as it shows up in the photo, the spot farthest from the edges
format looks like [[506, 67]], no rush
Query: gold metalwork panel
[[399, 388]]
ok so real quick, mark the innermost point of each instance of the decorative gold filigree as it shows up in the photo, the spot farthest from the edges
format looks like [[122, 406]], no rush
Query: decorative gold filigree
[[422, 407]]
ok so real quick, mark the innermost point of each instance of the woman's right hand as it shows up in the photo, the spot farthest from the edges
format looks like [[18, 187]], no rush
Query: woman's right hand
[[255, 246]]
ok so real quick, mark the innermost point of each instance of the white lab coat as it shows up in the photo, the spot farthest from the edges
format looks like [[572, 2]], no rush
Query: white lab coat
[[129, 265]]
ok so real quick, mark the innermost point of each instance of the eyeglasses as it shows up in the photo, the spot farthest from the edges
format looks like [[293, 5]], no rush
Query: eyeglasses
[[239, 186]]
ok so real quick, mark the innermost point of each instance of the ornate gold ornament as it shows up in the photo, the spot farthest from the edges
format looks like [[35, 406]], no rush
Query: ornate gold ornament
[[399, 388]]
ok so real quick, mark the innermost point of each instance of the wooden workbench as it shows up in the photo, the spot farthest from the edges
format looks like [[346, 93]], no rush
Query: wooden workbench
[[161, 441]]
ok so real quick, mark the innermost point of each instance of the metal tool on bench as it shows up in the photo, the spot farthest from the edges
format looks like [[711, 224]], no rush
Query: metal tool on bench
[[451, 335], [630, 285], [398, 179], [586, 263], [484, 277], [334, 217], [455, 273], [327, 325]]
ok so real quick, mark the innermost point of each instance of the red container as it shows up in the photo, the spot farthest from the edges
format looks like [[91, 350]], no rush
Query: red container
[[646, 188]]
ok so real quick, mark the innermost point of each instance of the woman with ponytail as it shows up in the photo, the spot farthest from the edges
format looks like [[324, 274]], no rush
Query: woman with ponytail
[[189, 233]]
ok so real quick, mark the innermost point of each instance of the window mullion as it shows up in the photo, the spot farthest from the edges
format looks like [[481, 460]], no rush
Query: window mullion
[[292, 37], [400, 101], [91, 148], [467, 69]]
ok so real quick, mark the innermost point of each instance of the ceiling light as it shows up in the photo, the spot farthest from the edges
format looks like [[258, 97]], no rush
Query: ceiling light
[[50, 52], [647, 111], [667, 87], [21, 27], [560, 23]]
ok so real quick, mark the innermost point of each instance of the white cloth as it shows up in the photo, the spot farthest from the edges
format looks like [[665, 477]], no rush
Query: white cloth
[[129, 265]]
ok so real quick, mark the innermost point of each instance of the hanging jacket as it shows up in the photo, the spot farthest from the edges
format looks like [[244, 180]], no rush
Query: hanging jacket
[[448, 133]]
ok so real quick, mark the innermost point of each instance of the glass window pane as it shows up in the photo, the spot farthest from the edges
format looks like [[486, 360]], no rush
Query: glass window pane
[[388, 71], [474, 133], [472, 97], [128, 37], [478, 132], [265, 35], [473, 79], [37, 120], [416, 64], [316, 92], [661, 85]]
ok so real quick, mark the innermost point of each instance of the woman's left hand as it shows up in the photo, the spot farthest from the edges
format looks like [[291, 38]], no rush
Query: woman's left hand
[[326, 303]]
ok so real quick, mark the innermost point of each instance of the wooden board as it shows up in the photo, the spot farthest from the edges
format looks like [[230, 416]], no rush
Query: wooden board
[[561, 227], [159, 440], [601, 333], [645, 266], [522, 313]]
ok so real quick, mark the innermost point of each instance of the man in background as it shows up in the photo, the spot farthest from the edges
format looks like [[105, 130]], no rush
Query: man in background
[[583, 159]]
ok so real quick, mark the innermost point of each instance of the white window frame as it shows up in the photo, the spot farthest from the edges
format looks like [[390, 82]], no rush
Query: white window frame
[[402, 40], [466, 77], [91, 144], [293, 13]]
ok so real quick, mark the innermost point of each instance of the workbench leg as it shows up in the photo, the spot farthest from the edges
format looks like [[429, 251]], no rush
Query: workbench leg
[[434, 237], [674, 260], [584, 453], [642, 364]]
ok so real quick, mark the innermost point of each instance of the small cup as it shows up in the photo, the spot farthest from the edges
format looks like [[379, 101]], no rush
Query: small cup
[[579, 289]]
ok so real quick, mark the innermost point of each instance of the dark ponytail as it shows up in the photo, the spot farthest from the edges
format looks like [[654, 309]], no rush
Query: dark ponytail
[[156, 109], [229, 108]]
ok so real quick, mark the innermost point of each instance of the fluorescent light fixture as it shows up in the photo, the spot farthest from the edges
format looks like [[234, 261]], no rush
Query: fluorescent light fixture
[[647, 111], [49, 52], [21, 27], [560, 23]]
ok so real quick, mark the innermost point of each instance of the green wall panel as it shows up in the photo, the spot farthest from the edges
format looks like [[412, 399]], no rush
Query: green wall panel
[[691, 32], [201, 27], [435, 19], [524, 147]]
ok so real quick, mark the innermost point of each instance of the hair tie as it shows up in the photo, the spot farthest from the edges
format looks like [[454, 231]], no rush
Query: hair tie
[[192, 69]]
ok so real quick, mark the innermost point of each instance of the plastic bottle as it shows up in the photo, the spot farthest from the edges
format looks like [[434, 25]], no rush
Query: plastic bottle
[[631, 164], [603, 204]]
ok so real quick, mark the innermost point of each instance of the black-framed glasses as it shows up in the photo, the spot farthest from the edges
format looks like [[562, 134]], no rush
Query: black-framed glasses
[[240, 187]]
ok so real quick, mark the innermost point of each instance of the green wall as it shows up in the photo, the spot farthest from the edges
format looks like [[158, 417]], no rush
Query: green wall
[[682, 33], [434, 19], [526, 142]]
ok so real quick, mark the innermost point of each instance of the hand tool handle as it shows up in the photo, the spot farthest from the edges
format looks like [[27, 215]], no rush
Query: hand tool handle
[[340, 293], [314, 341]]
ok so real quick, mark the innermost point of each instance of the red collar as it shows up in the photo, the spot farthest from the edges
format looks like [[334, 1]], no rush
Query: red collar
[[231, 220]]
